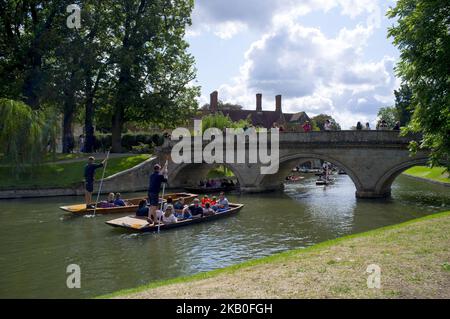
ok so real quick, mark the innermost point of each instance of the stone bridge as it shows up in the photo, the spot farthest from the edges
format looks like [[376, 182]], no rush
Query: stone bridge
[[372, 159]]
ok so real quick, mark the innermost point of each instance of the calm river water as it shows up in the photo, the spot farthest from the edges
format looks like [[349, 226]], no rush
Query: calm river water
[[38, 241]]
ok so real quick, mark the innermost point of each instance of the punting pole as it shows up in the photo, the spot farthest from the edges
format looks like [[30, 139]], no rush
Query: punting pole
[[164, 188], [101, 182]]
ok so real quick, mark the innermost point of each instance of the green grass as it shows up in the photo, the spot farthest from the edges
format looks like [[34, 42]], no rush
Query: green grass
[[279, 258], [435, 173], [63, 157], [63, 174]]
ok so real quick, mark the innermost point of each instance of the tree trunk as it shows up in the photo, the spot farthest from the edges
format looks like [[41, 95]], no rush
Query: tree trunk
[[116, 130], [119, 109], [68, 140], [89, 116]]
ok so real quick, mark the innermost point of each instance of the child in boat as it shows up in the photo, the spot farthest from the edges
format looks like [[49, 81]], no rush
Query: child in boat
[[142, 209], [169, 217], [119, 201], [208, 211]]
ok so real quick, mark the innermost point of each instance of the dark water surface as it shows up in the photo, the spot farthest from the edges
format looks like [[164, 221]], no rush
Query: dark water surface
[[38, 241]]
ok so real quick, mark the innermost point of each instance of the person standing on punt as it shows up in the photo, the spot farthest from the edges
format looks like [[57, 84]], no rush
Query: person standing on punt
[[89, 173], [156, 179]]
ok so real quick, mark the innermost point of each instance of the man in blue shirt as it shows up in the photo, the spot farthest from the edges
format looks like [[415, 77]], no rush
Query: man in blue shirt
[[89, 174], [156, 179]]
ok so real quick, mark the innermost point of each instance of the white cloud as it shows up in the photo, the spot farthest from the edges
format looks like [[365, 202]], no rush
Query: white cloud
[[315, 73], [228, 29]]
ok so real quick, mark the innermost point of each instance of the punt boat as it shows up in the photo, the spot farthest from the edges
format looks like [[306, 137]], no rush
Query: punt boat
[[140, 224], [80, 209]]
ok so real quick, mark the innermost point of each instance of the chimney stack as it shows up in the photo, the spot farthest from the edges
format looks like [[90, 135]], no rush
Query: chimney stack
[[213, 97], [278, 104], [259, 102]]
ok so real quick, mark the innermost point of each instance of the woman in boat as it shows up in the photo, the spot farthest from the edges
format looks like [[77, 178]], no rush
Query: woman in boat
[[142, 209], [119, 201], [168, 216], [208, 211], [168, 202]]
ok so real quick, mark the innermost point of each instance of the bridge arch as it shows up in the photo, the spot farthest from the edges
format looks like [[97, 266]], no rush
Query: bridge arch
[[384, 184], [287, 162], [183, 175]]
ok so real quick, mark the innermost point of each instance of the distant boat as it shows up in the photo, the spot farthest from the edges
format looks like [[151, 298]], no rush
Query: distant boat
[[293, 179], [342, 172], [140, 224]]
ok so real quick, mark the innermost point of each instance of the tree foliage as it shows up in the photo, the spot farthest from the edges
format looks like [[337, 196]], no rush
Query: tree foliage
[[388, 114], [319, 122], [422, 34], [25, 134]]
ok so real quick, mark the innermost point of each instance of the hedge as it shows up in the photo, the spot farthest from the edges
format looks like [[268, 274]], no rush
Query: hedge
[[129, 140]]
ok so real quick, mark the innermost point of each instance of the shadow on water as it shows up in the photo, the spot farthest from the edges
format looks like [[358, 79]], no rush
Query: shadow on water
[[38, 241]]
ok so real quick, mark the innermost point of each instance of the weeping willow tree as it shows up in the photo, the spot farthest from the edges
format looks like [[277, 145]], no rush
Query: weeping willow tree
[[26, 135]]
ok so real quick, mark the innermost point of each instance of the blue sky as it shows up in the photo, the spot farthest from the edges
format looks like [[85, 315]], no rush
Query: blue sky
[[323, 56]]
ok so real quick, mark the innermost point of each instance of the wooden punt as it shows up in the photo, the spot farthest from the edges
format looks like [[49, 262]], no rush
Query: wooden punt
[[140, 224], [80, 209]]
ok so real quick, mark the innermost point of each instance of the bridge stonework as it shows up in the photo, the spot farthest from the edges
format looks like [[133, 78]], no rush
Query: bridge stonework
[[372, 159]]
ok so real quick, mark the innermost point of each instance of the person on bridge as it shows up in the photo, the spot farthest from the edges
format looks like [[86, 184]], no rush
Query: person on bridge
[[327, 126], [307, 127], [89, 173], [359, 126], [397, 126], [156, 179]]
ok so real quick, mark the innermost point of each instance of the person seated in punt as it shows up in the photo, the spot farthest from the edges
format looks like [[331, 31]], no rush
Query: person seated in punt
[[213, 201], [185, 213], [119, 201], [208, 211], [142, 210], [222, 203], [205, 200], [168, 216], [195, 208], [107, 203], [179, 205], [169, 201]]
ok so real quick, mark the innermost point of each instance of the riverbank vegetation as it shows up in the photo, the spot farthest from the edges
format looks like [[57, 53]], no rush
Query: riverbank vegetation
[[62, 174], [413, 258], [438, 174]]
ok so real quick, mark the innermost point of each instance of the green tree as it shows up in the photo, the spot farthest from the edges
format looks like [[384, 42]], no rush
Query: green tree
[[152, 67], [403, 105], [26, 135], [388, 114], [319, 122], [421, 32]]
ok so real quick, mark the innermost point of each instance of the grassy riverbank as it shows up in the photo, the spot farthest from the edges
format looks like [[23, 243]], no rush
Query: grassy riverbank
[[63, 174], [414, 258], [436, 174]]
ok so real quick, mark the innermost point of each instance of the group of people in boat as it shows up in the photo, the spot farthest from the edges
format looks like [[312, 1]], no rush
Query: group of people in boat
[[113, 200], [173, 212], [213, 183]]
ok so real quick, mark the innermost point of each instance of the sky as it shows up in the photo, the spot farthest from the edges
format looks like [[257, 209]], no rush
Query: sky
[[322, 56]]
